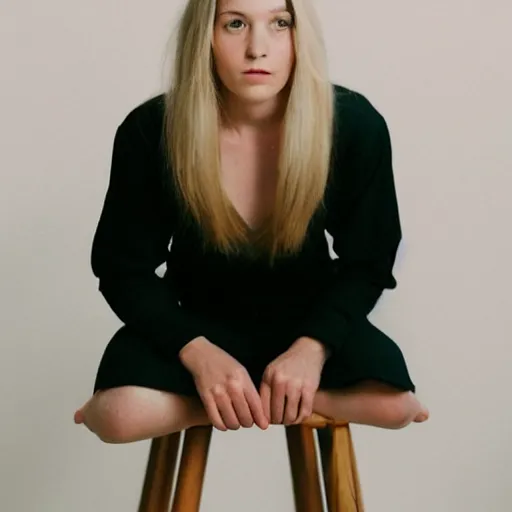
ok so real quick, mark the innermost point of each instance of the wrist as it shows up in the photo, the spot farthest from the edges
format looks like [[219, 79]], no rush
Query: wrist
[[188, 351], [314, 345]]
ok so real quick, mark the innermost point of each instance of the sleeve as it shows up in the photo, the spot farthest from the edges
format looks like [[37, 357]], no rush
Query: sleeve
[[132, 240], [365, 226]]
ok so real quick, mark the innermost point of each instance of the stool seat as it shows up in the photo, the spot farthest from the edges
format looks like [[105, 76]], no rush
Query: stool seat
[[339, 469], [319, 421]]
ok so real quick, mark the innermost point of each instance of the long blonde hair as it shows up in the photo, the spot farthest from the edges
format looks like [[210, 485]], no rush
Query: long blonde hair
[[192, 114]]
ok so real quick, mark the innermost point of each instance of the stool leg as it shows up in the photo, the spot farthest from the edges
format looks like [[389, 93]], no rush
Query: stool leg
[[304, 468], [157, 488], [355, 473], [189, 487], [343, 488], [325, 442]]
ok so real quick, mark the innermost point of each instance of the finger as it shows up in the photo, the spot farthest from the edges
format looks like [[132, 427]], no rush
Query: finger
[[277, 401], [265, 394], [306, 405], [292, 405], [227, 410], [212, 411], [255, 404], [241, 407]]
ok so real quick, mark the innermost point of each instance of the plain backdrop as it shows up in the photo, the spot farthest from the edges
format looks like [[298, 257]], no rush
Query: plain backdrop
[[440, 74]]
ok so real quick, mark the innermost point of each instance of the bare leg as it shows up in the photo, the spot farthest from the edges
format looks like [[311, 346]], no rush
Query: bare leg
[[129, 413], [371, 403]]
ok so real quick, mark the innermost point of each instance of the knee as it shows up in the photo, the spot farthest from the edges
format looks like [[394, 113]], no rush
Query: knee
[[109, 416], [399, 410]]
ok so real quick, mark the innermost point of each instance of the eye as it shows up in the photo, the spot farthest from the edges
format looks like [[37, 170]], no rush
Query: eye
[[235, 24], [283, 23]]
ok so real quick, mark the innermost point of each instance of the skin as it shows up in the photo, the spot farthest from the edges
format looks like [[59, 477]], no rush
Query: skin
[[248, 34], [251, 35]]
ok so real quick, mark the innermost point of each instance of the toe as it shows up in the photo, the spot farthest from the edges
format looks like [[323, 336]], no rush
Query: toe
[[422, 416], [79, 417]]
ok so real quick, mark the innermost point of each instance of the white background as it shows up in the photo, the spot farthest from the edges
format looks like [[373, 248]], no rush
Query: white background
[[438, 72]]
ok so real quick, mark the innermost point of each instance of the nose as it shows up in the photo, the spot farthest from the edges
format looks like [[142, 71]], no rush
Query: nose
[[257, 46]]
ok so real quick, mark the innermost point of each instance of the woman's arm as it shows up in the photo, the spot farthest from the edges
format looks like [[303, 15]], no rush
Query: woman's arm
[[363, 219], [131, 241]]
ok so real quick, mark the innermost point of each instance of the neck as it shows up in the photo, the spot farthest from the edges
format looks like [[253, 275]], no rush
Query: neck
[[241, 116]]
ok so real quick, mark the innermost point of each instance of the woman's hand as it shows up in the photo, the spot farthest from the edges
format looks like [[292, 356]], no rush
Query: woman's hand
[[290, 382], [224, 385]]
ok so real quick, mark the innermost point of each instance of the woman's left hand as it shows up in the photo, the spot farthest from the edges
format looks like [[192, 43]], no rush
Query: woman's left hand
[[290, 382]]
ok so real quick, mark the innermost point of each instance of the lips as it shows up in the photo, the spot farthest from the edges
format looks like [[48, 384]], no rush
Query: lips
[[256, 72]]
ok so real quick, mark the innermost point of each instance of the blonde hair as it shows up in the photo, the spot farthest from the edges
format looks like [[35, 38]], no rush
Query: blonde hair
[[192, 114]]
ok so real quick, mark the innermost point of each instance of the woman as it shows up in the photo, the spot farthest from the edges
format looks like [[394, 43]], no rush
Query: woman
[[243, 165]]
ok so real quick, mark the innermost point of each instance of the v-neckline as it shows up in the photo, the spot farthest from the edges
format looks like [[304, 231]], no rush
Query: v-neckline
[[250, 229]]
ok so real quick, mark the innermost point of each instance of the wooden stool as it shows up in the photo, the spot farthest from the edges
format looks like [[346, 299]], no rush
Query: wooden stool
[[339, 468]]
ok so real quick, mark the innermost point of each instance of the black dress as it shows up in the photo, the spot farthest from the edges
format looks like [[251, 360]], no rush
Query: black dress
[[243, 305]]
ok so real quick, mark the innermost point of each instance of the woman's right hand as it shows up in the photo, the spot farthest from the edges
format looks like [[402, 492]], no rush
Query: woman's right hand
[[224, 385]]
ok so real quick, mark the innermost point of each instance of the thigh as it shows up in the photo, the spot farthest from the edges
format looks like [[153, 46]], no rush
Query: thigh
[[135, 404], [367, 354]]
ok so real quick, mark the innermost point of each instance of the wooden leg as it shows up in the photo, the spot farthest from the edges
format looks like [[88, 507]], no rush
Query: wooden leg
[[189, 487], [158, 480], [355, 474], [343, 489], [325, 442], [304, 468]]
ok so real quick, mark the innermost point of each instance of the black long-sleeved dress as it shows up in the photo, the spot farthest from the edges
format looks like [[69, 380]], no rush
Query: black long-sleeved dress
[[248, 308]]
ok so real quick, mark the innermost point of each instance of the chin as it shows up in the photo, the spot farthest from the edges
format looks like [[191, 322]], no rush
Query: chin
[[258, 93]]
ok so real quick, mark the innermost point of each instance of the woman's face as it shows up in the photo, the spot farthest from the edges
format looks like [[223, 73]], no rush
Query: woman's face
[[253, 47]]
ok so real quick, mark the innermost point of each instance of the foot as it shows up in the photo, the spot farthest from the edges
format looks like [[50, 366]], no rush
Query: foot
[[79, 416], [422, 416]]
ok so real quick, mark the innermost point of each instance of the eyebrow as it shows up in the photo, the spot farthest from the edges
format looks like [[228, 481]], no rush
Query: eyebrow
[[282, 8]]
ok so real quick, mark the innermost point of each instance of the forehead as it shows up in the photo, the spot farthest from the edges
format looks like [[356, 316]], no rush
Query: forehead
[[252, 6]]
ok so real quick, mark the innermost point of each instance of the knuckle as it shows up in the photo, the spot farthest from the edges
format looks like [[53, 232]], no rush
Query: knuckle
[[218, 390], [238, 373], [310, 386], [307, 397], [294, 384], [267, 374], [280, 378], [306, 386], [235, 385]]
